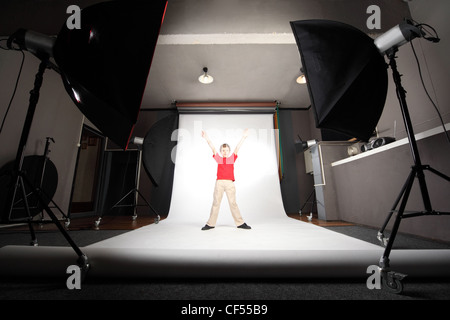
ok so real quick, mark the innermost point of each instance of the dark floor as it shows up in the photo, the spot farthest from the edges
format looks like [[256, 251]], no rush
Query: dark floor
[[282, 293]]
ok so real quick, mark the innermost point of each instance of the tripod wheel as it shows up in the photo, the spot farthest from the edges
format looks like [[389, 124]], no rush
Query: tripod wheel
[[393, 281], [384, 241], [83, 263], [393, 285]]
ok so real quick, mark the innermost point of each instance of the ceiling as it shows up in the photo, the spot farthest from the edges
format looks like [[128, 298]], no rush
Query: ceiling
[[247, 45]]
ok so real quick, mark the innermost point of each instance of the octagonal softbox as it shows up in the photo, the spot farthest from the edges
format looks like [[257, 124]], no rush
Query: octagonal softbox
[[104, 64], [346, 76]]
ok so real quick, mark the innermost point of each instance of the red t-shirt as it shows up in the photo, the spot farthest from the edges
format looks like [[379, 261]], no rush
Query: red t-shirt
[[225, 166]]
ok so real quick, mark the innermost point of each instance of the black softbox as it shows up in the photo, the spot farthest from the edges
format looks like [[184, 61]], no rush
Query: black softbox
[[158, 147], [346, 76], [104, 64]]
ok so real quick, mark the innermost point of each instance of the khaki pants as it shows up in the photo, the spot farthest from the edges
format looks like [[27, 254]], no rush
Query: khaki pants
[[226, 186]]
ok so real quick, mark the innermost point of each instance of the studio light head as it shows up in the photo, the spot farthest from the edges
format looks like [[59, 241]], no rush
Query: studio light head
[[301, 145], [36, 43], [397, 36], [137, 141]]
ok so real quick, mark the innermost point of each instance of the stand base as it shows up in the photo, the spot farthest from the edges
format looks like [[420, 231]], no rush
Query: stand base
[[313, 203], [391, 279], [134, 205]]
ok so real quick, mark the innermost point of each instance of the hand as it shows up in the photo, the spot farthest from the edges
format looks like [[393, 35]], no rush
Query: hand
[[245, 133], [204, 134]]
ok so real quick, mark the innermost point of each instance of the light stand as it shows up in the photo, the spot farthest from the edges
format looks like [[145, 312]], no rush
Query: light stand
[[42, 169], [393, 279], [86, 58], [313, 203], [20, 178], [135, 191], [302, 146], [364, 74], [45, 159], [44, 165]]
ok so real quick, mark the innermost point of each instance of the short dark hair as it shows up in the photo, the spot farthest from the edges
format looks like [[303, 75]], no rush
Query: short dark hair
[[224, 145]]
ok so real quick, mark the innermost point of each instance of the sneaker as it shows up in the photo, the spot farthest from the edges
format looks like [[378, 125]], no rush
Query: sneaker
[[206, 227], [244, 226]]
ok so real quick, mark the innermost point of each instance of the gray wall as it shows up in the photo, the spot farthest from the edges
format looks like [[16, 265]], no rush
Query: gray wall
[[367, 188]]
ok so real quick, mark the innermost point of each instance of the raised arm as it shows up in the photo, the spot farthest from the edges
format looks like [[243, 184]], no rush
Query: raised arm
[[205, 136], [244, 136]]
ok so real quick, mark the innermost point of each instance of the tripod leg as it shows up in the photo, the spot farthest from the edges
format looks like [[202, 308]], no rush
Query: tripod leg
[[33, 234], [27, 209], [82, 258], [158, 218], [313, 203], [440, 174], [64, 215], [384, 261], [391, 279], [41, 192], [380, 235], [307, 200], [423, 189], [97, 222], [67, 223], [135, 203]]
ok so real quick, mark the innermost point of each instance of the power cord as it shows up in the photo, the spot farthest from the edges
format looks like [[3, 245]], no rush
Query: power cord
[[432, 37]]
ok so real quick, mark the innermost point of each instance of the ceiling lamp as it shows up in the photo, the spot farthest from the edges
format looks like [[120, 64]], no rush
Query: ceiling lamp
[[301, 79], [205, 78]]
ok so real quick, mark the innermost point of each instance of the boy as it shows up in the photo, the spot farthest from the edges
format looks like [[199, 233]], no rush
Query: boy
[[225, 182]]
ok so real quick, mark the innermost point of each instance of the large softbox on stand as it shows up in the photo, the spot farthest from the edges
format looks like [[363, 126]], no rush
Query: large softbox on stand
[[104, 66], [346, 76], [106, 62], [347, 81]]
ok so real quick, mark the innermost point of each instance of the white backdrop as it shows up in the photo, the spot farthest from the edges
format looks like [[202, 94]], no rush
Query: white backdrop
[[257, 185]]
